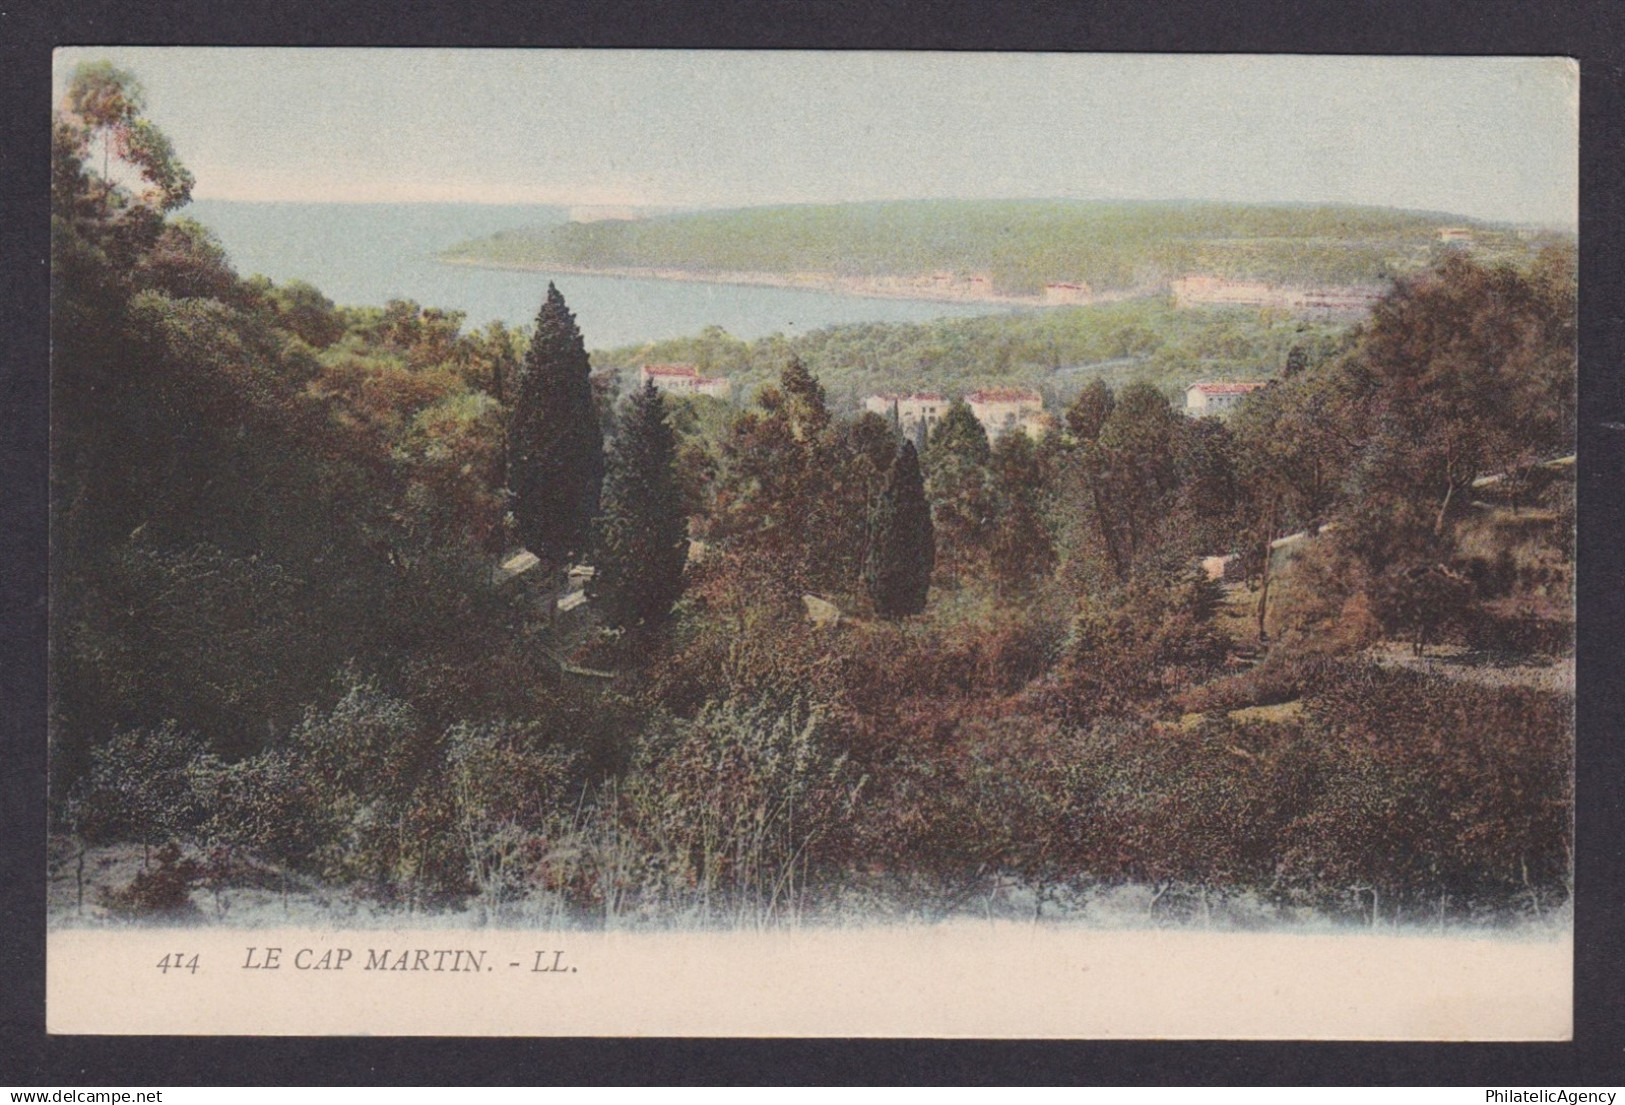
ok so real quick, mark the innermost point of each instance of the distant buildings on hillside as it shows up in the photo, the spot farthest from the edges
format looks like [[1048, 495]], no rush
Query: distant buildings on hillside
[[1000, 410], [1205, 397], [1003, 409], [1347, 301], [683, 379], [917, 413]]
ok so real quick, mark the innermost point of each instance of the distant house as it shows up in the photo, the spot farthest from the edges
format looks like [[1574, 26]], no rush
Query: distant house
[[1342, 301], [917, 412], [1068, 293], [1456, 235], [1003, 409], [1216, 291], [1205, 397], [683, 379]]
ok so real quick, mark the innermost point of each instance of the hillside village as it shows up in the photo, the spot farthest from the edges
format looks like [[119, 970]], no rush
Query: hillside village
[[916, 414], [1003, 407]]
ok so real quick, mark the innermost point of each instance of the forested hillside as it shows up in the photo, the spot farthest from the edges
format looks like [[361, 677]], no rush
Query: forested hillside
[[1018, 245], [815, 673], [1057, 351]]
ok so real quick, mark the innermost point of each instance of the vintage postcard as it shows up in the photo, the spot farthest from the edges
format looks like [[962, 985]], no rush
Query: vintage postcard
[[812, 544]]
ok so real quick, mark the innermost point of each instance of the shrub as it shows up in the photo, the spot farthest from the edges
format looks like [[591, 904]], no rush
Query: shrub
[[1282, 676], [141, 787], [1128, 655], [164, 891], [512, 795], [732, 812]]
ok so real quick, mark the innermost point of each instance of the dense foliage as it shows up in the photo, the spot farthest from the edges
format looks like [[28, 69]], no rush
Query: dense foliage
[[282, 661]]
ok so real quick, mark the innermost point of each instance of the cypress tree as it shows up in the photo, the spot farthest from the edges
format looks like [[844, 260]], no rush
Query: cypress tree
[[902, 546], [643, 535], [555, 442]]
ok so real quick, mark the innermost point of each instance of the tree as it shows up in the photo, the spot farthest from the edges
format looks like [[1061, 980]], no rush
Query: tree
[[1132, 474], [105, 104], [791, 497], [960, 433], [808, 408], [1293, 444], [1475, 374], [555, 443], [962, 500], [495, 361], [1088, 413], [902, 546], [1022, 549], [102, 231], [1297, 359], [305, 311], [643, 536]]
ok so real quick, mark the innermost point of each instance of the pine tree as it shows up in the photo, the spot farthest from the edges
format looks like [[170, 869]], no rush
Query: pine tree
[[805, 403], [555, 442], [961, 492], [902, 546], [793, 496], [960, 433], [643, 535], [1022, 550], [1087, 415]]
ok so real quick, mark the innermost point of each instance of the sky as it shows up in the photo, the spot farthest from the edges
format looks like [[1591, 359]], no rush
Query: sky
[[1487, 138]]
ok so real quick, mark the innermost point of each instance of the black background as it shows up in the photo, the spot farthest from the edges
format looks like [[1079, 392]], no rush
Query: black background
[[1591, 32]]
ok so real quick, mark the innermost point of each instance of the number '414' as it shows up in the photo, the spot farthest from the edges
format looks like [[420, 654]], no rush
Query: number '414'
[[177, 961]]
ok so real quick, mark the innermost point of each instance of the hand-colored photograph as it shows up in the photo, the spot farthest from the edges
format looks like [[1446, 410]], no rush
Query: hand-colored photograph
[[612, 542]]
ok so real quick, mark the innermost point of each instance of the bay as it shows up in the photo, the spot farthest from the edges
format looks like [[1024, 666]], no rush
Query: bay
[[368, 254]]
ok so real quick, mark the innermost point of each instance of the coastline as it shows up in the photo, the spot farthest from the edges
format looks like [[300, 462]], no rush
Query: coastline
[[928, 290]]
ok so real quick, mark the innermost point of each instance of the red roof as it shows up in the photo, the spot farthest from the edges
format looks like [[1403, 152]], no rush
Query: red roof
[[918, 396], [1004, 395], [670, 370], [1227, 387]]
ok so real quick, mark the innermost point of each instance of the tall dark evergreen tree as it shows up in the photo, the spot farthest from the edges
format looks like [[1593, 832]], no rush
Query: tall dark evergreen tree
[[643, 535], [902, 544], [555, 441], [1087, 415]]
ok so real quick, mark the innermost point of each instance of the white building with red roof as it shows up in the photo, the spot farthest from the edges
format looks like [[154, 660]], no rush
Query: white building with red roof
[[1215, 397], [683, 379]]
